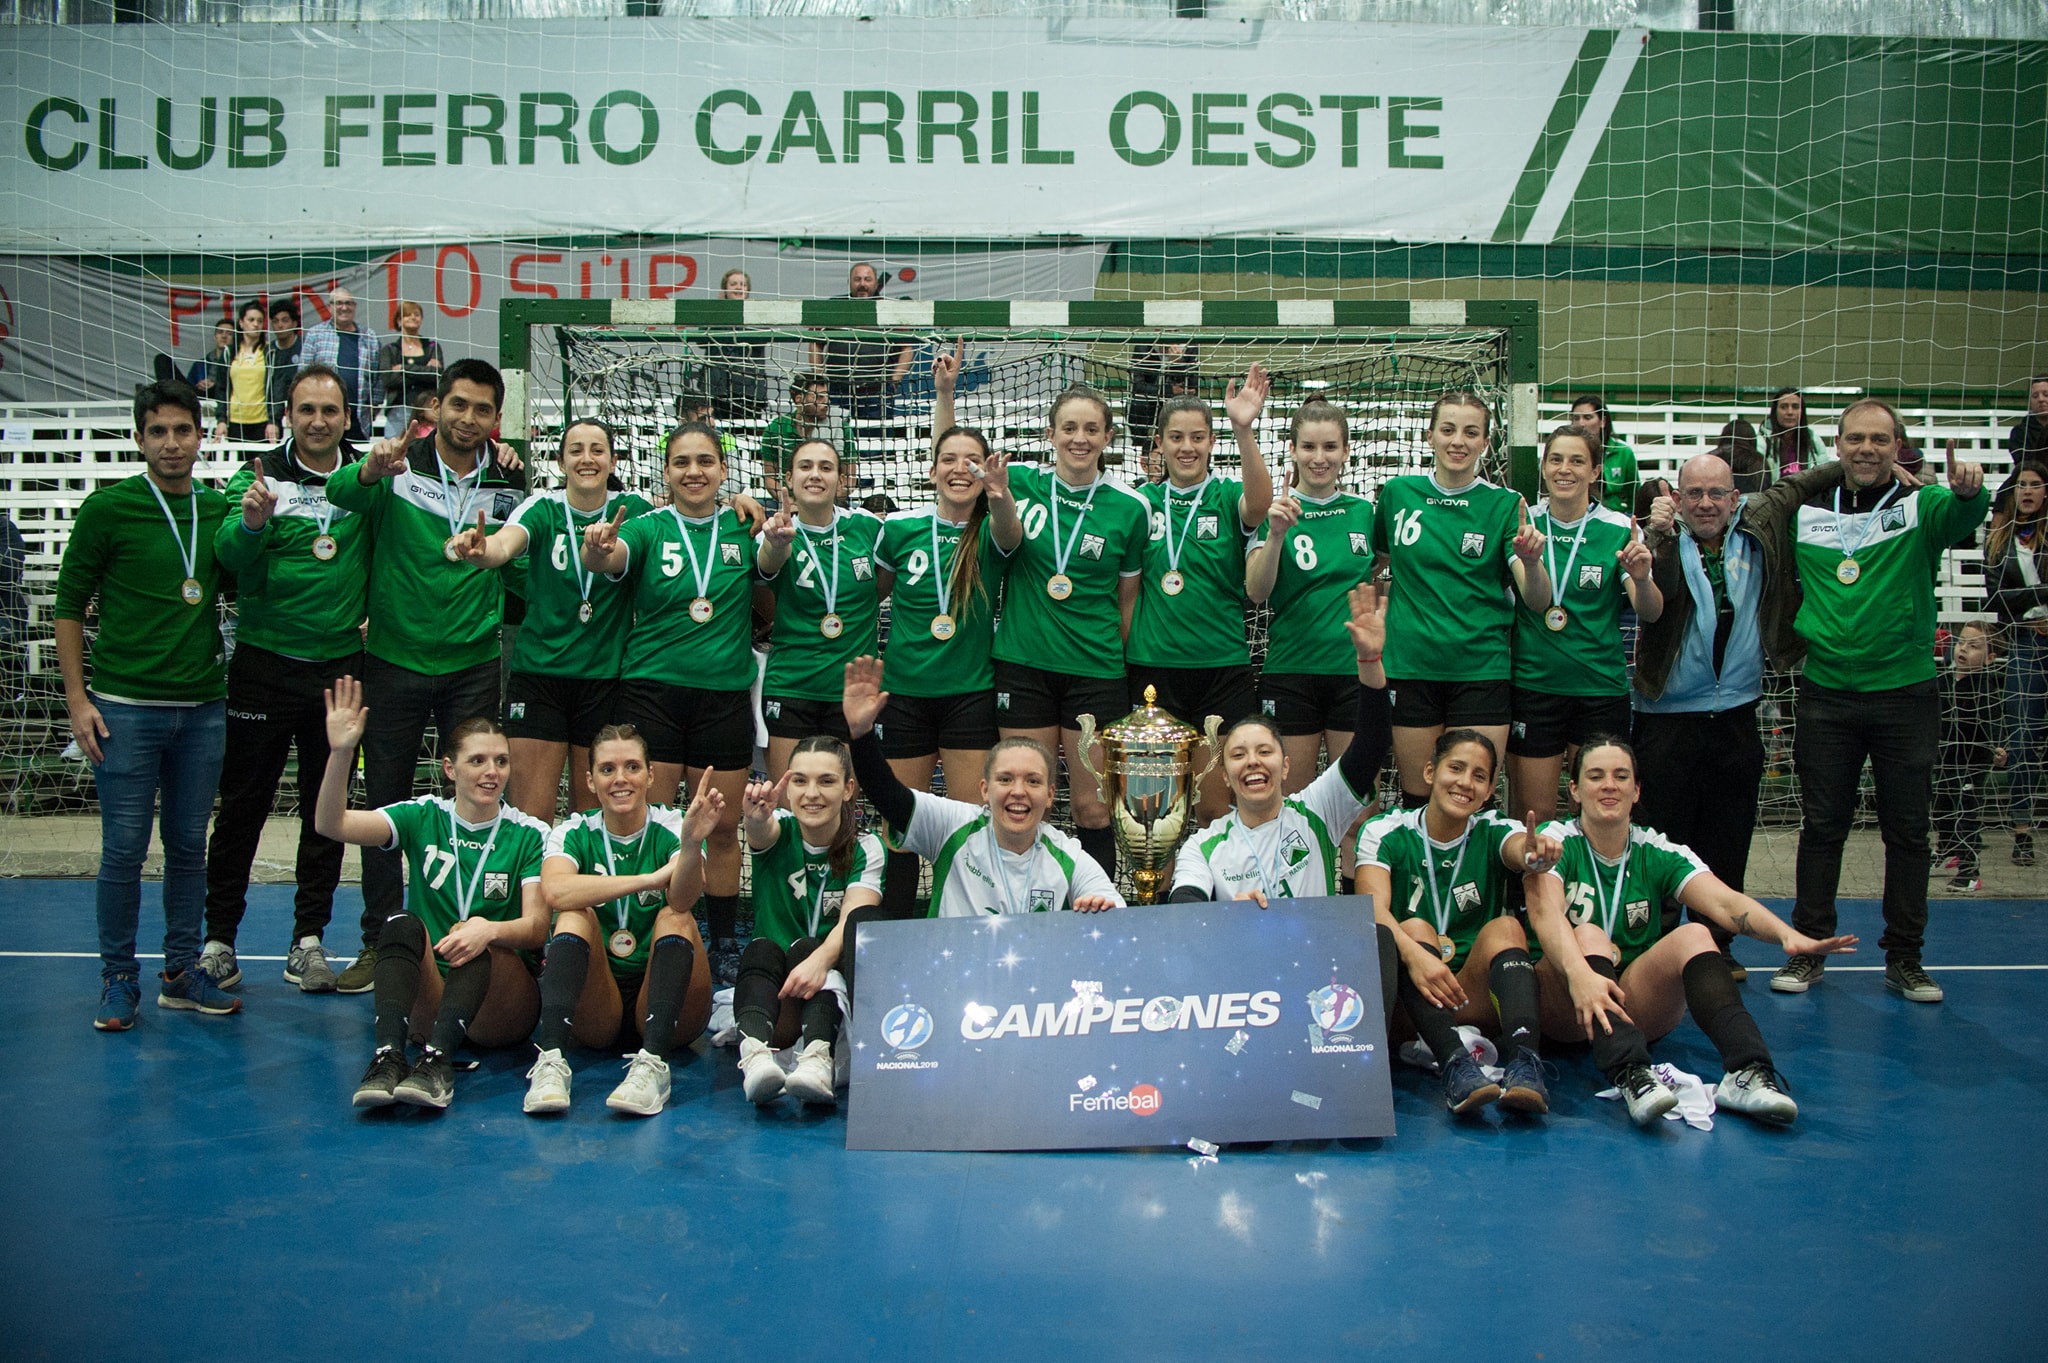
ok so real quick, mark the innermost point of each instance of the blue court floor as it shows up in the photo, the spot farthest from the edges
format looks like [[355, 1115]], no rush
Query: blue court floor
[[200, 1189]]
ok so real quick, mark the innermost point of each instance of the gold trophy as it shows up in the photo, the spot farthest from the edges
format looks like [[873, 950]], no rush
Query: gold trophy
[[1148, 754]]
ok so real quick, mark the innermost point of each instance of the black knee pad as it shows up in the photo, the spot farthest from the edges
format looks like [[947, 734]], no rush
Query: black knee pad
[[403, 935]]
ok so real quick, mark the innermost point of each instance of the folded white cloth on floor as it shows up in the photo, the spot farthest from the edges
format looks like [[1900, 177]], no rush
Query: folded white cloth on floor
[[1417, 1052], [1695, 1097], [725, 1032]]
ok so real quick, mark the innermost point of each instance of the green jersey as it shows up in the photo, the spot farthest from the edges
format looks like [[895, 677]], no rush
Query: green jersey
[[1452, 613], [1618, 478], [1325, 556], [1625, 898], [428, 614], [1457, 887], [1868, 582], [456, 869], [302, 582], [780, 437], [159, 640], [1585, 656], [627, 923], [796, 895], [920, 548], [828, 607], [974, 874], [674, 562], [1293, 855], [1190, 609], [1094, 537], [559, 638]]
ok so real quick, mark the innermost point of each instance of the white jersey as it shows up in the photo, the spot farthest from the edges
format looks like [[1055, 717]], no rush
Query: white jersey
[[972, 874], [1293, 855]]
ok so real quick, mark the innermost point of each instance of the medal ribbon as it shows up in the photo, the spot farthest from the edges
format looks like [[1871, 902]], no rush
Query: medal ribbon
[[1006, 892], [1609, 906], [1271, 877], [942, 572], [457, 513], [611, 862], [1849, 551], [1174, 551], [189, 557], [465, 898], [1436, 897], [1052, 495], [701, 570], [1550, 522], [807, 541], [585, 578]]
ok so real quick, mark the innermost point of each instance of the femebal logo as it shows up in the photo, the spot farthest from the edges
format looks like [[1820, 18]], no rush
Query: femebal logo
[[1334, 1010], [905, 1028]]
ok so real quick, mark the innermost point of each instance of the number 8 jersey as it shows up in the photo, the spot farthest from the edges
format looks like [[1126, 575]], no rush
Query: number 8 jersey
[[1326, 555]]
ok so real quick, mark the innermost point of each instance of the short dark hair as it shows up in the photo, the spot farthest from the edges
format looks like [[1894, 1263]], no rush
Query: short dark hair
[[476, 371], [800, 384], [315, 369], [287, 306], [691, 402], [166, 393]]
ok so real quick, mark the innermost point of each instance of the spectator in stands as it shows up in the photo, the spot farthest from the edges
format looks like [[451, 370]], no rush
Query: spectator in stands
[[2028, 438], [351, 348], [1866, 563], [735, 372], [1736, 447], [1618, 474], [862, 371], [434, 620], [13, 606], [200, 374], [1789, 443], [809, 418], [1159, 370], [411, 366], [1716, 557], [242, 385], [1969, 750], [150, 716], [301, 568], [2016, 578], [287, 344]]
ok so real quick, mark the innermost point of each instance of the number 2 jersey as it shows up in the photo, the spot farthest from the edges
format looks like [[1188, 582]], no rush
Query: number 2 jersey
[[972, 874]]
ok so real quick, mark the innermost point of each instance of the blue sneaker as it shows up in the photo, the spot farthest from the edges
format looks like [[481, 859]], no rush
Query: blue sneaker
[[1466, 1086], [1522, 1086], [194, 991], [120, 996]]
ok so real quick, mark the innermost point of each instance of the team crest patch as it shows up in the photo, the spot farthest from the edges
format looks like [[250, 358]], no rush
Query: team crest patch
[[516, 710], [1473, 545], [1521, 729], [730, 554], [497, 884], [503, 504], [652, 898], [1002, 700], [1466, 896], [1091, 546], [1207, 528], [1266, 708], [863, 569], [773, 708], [1361, 543], [1041, 901], [1590, 575], [1638, 912], [828, 905], [1892, 518]]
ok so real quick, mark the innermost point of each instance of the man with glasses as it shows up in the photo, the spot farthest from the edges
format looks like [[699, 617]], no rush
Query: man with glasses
[[1729, 602], [351, 349]]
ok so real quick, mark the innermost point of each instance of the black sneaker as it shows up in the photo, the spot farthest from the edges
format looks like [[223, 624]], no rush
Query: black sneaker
[[1522, 1087], [1966, 882], [1798, 973], [725, 962], [381, 1080], [431, 1083], [2023, 849], [1466, 1086], [1910, 982]]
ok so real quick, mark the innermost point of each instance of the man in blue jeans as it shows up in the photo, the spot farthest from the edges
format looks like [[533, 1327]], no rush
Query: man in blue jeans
[[152, 715]]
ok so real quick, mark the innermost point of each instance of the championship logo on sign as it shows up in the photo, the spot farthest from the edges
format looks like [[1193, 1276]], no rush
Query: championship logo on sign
[[1091, 546], [1361, 543], [497, 884], [1473, 545], [906, 1027], [1590, 575], [1206, 528]]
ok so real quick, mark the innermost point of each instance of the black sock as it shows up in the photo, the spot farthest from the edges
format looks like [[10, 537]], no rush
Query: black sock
[[899, 887], [722, 915], [755, 1001], [1436, 1025], [1512, 978], [462, 993], [395, 979], [1390, 968], [1412, 801], [668, 984], [561, 984], [1717, 1007], [1624, 1046], [1099, 843], [821, 1017]]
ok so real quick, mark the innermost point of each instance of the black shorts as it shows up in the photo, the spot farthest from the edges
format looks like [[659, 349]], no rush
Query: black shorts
[[1032, 698], [919, 726], [1449, 704], [690, 727], [796, 717], [559, 709], [1303, 703], [1192, 694], [1546, 725]]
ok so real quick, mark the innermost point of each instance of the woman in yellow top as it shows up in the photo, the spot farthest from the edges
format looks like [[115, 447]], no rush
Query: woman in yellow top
[[245, 400]]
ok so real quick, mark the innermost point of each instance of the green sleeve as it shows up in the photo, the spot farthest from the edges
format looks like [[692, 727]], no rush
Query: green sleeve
[[84, 563], [237, 549], [1951, 517], [345, 489]]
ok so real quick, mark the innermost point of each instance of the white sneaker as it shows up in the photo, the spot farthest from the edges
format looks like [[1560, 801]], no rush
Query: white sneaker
[[811, 1080], [547, 1084], [644, 1090], [1756, 1091], [764, 1077], [1646, 1096], [219, 963]]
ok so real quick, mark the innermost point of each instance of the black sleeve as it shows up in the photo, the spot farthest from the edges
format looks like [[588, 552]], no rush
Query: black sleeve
[[1371, 736], [1188, 894], [891, 798]]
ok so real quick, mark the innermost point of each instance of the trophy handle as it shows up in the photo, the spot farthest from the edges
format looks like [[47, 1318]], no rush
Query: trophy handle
[[1211, 729], [1086, 724]]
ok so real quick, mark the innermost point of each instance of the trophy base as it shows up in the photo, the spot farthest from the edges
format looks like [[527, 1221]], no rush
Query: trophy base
[[1149, 886]]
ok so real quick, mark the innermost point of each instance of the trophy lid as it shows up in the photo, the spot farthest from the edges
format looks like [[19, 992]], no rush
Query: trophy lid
[[1149, 724]]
